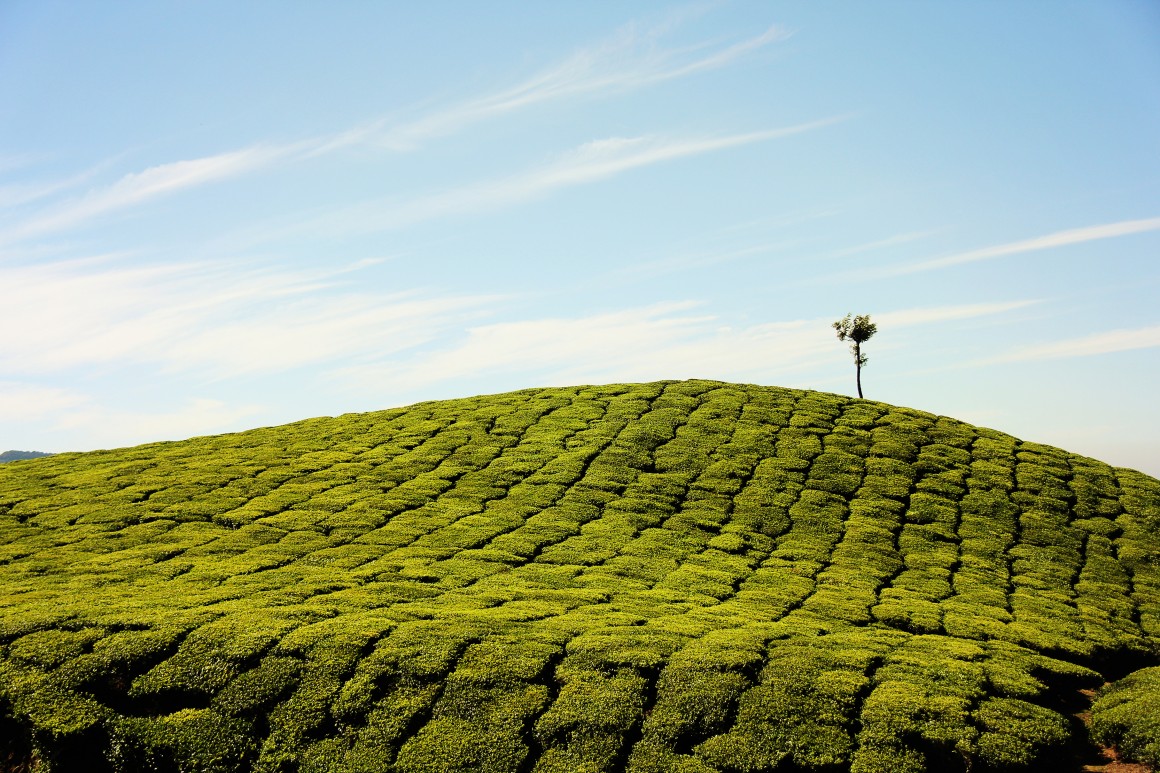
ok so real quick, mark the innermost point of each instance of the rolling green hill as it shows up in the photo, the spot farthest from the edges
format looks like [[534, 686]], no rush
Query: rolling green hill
[[679, 576]]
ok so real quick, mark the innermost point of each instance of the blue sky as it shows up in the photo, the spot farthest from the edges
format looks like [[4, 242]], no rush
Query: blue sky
[[219, 215]]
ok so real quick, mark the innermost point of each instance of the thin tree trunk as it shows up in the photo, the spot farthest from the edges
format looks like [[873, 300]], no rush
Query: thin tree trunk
[[858, 366]]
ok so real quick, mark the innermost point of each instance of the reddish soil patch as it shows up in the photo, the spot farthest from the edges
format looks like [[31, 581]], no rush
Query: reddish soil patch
[[1114, 765]]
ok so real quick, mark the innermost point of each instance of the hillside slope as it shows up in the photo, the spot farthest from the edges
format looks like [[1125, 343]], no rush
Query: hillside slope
[[678, 576]]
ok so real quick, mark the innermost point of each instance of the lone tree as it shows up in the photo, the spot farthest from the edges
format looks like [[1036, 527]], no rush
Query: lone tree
[[858, 330]]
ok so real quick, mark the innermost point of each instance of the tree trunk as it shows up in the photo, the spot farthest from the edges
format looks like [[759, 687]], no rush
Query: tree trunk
[[858, 366]]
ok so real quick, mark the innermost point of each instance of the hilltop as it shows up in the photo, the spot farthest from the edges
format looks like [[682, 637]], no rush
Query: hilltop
[[678, 576]]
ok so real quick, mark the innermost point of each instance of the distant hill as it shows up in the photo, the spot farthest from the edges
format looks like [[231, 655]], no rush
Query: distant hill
[[12, 456], [678, 576]]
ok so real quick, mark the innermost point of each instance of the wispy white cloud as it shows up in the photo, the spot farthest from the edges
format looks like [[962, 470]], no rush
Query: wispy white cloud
[[922, 316], [553, 348], [591, 162], [628, 60], [214, 320], [1047, 242], [14, 195], [65, 414], [28, 402], [139, 187], [315, 330], [111, 428], [1087, 346], [890, 241], [660, 341]]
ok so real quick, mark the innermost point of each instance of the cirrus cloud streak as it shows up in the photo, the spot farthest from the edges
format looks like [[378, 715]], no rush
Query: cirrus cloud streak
[[1036, 244]]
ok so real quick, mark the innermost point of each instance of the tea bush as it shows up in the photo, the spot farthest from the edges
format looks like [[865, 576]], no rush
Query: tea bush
[[678, 576], [1127, 714]]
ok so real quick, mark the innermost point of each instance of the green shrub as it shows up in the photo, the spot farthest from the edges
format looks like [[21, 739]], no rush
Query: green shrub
[[800, 712], [679, 576], [1126, 714], [1017, 734], [188, 741]]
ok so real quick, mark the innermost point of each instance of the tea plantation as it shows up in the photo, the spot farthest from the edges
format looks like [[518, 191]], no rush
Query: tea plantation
[[680, 576]]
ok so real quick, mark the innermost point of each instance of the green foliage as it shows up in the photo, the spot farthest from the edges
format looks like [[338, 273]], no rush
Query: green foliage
[[1016, 733], [1127, 714], [188, 741], [679, 576]]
